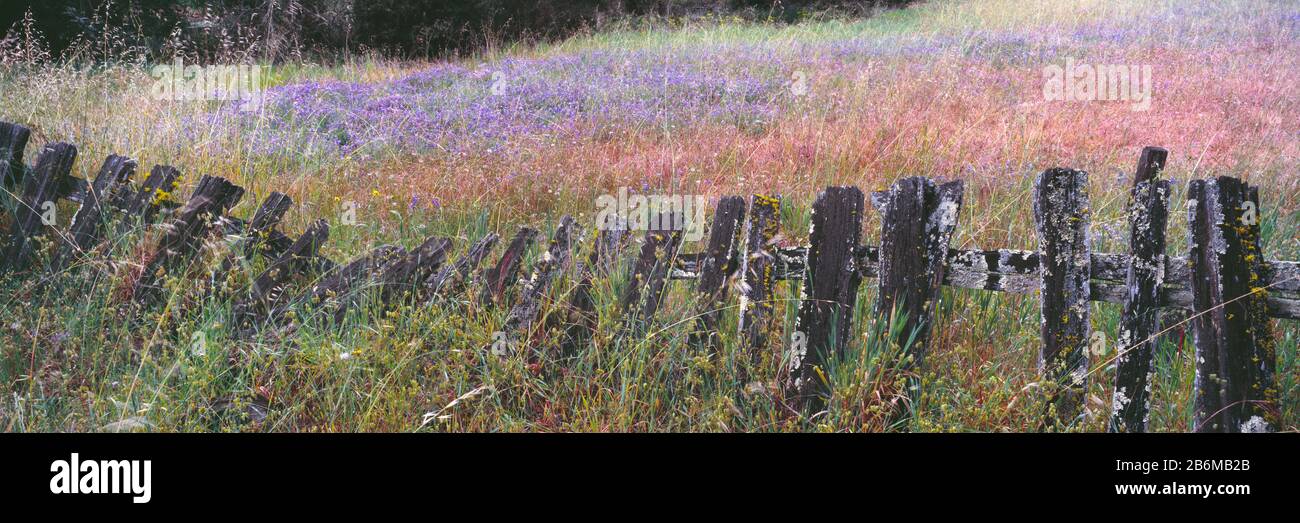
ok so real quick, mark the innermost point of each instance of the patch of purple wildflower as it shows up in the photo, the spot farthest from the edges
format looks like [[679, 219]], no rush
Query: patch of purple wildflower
[[518, 104]]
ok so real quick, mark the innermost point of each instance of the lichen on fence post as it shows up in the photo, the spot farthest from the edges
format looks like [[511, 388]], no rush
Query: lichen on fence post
[[917, 223], [916, 228], [523, 316], [1061, 214], [1140, 320], [758, 273], [1234, 389]]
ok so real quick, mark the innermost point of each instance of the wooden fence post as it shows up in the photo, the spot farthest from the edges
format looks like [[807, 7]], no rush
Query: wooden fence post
[[917, 222], [829, 295], [38, 198], [582, 320], [650, 275], [396, 274], [86, 228], [267, 293], [255, 234], [1061, 213], [499, 278], [404, 279], [757, 270], [185, 233], [716, 265], [144, 204], [1140, 321], [452, 278], [13, 141], [553, 263], [1235, 358], [337, 291], [269, 214]]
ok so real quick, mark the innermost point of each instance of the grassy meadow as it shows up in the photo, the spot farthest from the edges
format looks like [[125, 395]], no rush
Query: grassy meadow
[[522, 134]]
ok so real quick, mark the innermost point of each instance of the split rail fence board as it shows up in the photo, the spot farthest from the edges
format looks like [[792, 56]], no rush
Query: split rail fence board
[[918, 220], [146, 202], [1140, 321], [1017, 272], [1235, 358], [758, 273], [1224, 280], [341, 289], [39, 193], [718, 262], [86, 228], [829, 293]]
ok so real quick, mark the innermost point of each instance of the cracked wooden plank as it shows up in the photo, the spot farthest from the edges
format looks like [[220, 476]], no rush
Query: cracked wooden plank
[[268, 293], [1140, 320], [184, 234], [144, 204], [389, 273], [757, 274], [251, 235], [581, 319], [1234, 387], [452, 279], [828, 297], [720, 261], [340, 289], [404, 280], [86, 229], [498, 279], [650, 274], [36, 204], [918, 219], [523, 316]]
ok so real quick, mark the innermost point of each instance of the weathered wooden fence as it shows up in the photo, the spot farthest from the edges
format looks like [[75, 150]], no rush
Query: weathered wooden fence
[[1224, 283]]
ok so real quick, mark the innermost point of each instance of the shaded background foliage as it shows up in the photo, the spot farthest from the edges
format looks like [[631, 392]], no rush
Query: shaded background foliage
[[324, 29]]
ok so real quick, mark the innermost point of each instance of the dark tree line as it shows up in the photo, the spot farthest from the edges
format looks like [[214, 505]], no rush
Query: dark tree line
[[278, 29]]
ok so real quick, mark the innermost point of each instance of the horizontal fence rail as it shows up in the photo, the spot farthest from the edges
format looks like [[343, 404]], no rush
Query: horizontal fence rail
[[1017, 272]]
